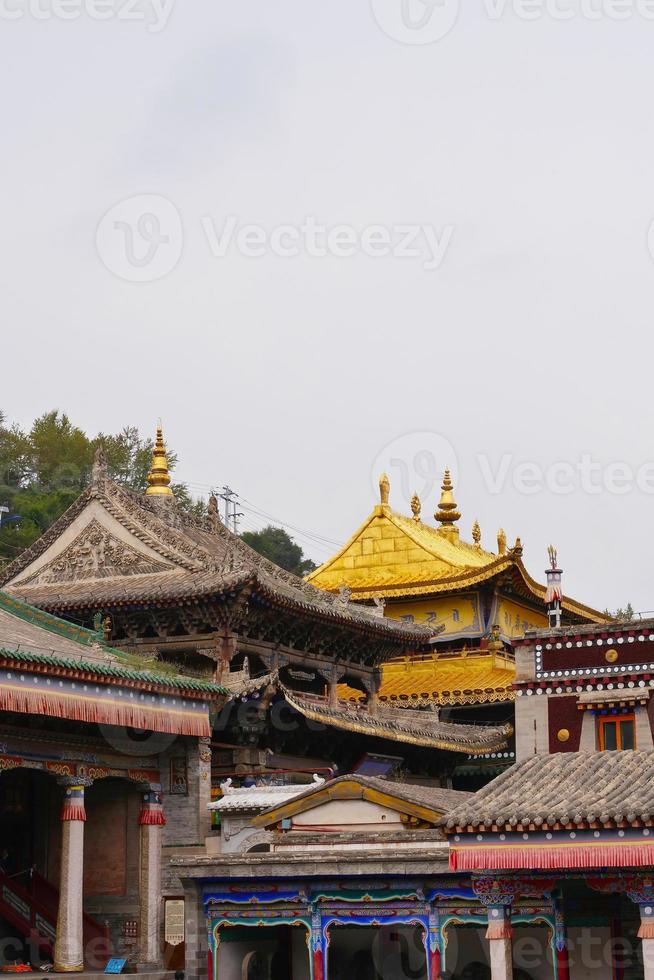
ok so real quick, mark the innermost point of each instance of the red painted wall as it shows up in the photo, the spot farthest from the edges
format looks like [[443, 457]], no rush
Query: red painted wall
[[562, 712]]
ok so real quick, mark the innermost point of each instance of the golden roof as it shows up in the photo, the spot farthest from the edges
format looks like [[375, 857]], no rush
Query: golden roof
[[437, 679], [392, 556]]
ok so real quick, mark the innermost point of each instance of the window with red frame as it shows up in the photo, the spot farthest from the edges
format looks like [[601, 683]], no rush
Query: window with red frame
[[616, 733]]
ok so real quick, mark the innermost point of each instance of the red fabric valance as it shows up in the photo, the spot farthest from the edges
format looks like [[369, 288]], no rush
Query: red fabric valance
[[600, 854]]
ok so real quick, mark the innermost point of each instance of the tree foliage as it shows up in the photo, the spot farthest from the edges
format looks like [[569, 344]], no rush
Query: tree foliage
[[44, 470], [274, 543]]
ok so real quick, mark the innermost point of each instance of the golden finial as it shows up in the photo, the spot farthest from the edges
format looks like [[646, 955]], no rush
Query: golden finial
[[517, 548], [501, 541], [476, 533], [159, 476], [416, 507], [447, 513], [553, 556], [384, 488]]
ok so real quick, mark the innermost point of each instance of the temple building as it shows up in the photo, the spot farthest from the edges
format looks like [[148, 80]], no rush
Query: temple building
[[546, 873], [320, 744], [480, 602], [90, 741]]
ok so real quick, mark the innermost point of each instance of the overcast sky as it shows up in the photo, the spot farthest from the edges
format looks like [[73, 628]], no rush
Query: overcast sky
[[511, 158]]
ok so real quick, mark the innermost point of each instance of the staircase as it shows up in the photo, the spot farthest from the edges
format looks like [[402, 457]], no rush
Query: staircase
[[32, 909]]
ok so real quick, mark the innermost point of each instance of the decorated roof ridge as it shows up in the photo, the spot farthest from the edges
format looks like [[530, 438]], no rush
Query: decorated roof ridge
[[427, 538], [53, 624], [206, 550], [114, 671], [435, 799], [416, 727]]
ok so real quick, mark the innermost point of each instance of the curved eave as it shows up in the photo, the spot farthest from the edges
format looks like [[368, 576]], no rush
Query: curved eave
[[421, 738], [473, 577]]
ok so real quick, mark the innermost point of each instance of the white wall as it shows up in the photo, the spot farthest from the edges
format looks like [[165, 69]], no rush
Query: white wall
[[346, 814]]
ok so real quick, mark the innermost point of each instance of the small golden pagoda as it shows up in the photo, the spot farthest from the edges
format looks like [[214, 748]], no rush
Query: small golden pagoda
[[423, 573]]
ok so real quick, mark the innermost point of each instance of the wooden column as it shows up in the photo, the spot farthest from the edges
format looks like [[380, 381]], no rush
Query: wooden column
[[69, 941], [318, 948], [433, 945], [562, 969], [500, 939], [496, 895], [151, 820]]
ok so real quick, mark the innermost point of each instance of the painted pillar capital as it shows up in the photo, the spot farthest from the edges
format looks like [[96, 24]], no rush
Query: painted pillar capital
[[497, 896], [72, 807], [151, 809]]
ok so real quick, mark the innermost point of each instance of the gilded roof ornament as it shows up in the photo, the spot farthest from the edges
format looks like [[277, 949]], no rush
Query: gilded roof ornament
[[159, 475], [384, 489], [501, 541], [476, 533], [517, 548], [416, 507], [447, 513]]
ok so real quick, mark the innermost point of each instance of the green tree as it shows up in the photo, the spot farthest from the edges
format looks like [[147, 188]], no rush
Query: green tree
[[43, 471], [274, 543]]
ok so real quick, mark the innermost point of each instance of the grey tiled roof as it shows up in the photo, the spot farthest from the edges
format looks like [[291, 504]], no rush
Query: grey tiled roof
[[566, 787], [201, 557]]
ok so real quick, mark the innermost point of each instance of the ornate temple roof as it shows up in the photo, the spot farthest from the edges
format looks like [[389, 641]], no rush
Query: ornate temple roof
[[574, 789], [392, 556], [439, 679], [410, 726], [113, 547]]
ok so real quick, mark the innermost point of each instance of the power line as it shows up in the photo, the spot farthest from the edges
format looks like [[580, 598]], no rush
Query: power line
[[313, 537], [230, 497]]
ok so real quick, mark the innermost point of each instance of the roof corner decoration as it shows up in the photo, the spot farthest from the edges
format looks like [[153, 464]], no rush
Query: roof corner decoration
[[384, 489], [159, 475], [99, 468]]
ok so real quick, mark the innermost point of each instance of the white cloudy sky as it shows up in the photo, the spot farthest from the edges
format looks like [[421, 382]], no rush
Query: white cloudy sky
[[291, 378]]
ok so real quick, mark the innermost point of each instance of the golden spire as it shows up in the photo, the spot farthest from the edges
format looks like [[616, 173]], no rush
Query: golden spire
[[159, 476], [447, 513], [476, 533], [416, 507], [384, 489], [501, 541]]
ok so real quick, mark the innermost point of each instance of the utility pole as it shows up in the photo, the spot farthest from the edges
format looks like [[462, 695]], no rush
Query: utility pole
[[231, 514]]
